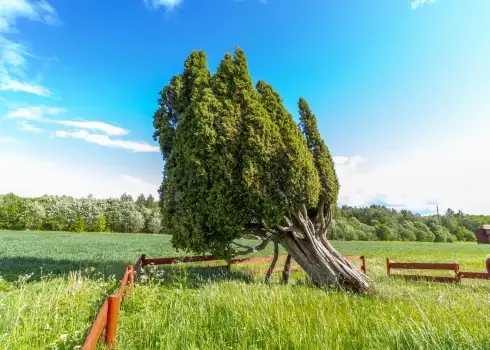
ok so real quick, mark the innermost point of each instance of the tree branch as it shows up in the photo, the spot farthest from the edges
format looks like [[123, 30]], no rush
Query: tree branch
[[249, 250]]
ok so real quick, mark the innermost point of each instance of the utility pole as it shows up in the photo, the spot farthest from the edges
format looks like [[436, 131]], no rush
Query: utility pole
[[438, 216]]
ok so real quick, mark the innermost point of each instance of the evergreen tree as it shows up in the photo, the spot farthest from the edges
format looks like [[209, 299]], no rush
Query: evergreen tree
[[141, 201], [150, 202], [321, 154], [237, 164]]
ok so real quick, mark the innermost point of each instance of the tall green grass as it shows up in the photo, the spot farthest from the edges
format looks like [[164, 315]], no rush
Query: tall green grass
[[171, 311], [186, 308], [51, 313]]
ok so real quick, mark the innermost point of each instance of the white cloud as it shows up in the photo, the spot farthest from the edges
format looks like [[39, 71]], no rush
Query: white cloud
[[13, 56], [168, 4], [109, 129], [42, 113], [415, 4], [38, 113], [59, 177], [25, 126], [104, 140], [9, 84], [452, 175], [11, 10]]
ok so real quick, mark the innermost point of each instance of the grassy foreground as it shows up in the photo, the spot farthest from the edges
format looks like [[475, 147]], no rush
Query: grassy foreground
[[183, 308]]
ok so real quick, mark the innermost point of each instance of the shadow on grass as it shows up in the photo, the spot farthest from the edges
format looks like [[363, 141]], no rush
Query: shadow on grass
[[13, 267]]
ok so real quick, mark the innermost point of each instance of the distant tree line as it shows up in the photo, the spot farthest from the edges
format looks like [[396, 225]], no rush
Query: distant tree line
[[124, 214], [64, 213], [385, 224]]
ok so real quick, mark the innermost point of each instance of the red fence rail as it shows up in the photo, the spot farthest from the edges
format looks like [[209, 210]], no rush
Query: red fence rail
[[424, 266], [259, 259], [475, 275]]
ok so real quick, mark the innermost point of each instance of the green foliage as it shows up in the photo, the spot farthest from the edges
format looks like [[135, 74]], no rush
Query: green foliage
[[233, 155], [79, 225], [141, 201], [101, 224], [321, 154], [63, 213], [391, 225]]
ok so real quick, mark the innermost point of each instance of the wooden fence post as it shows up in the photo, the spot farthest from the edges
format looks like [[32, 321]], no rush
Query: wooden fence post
[[131, 276], [388, 266], [364, 268], [112, 316]]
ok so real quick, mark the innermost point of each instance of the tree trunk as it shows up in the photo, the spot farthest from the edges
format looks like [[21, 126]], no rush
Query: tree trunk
[[273, 263], [306, 243], [286, 273]]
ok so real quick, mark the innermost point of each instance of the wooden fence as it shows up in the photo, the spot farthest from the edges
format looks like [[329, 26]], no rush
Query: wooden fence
[[458, 275], [106, 321], [167, 261]]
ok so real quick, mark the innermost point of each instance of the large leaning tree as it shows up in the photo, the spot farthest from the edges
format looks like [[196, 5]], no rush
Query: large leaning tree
[[237, 165]]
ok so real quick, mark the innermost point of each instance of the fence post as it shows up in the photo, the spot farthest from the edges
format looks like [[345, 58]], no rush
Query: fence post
[[112, 316], [388, 266], [131, 276], [364, 264]]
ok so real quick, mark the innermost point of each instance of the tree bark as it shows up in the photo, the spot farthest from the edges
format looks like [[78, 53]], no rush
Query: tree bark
[[306, 243], [273, 263], [286, 273]]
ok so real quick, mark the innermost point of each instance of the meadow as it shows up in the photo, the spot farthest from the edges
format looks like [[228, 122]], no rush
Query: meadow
[[53, 283]]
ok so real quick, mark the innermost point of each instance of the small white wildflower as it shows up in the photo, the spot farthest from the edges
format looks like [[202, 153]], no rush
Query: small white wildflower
[[64, 337]]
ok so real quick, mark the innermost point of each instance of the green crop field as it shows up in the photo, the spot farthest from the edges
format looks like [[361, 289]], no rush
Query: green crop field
[[52, 285]]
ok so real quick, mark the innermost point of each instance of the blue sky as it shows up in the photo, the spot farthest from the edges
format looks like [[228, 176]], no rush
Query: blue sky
[[401, 90]]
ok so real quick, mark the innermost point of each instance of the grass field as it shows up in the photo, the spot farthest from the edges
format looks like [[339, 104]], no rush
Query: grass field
[[182, 308]]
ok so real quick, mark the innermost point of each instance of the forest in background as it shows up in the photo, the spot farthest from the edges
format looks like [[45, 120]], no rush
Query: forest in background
[[124, 214], [64, 213]]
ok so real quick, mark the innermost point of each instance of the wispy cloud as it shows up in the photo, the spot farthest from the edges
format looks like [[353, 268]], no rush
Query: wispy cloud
[[167, 4], [7, 83], [415, 4], [44, 114], [12, 10], [83, 129], [38, 113], [109, 129], [13, 55], [24, 125], [104, 140]]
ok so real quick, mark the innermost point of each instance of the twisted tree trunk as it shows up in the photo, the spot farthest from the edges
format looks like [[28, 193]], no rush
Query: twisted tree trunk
[[286, 273], [306, 243], [304, 237]]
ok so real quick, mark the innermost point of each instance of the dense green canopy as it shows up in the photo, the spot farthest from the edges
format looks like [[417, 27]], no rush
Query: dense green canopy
[[234, 156]]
